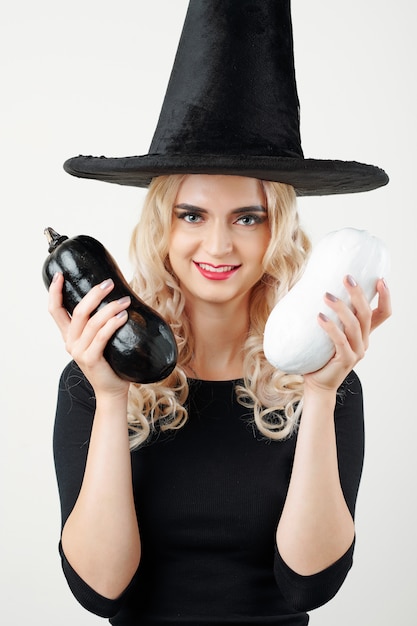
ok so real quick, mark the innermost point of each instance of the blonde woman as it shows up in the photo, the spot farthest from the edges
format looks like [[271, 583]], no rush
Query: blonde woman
[[224, 494]]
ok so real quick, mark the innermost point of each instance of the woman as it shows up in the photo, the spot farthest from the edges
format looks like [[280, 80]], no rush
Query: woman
[[230, 499]]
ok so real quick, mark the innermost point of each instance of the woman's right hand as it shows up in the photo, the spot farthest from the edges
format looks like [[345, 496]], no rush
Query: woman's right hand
[[86, 335]]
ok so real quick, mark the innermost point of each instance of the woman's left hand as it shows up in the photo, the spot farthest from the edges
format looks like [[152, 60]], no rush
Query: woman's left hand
[[352, 341]]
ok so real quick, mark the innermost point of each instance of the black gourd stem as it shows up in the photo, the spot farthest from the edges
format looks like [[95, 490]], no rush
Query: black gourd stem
[[53, 238]]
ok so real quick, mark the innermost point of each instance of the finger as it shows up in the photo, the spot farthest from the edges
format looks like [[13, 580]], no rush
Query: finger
[[352, 331], [361, 307], [102, 325], [375, 317], [384, 308], [88, 304], [100, 328], [55, 306], [343, 349]]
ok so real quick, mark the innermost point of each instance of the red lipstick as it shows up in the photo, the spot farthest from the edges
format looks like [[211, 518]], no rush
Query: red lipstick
[[216, 272]]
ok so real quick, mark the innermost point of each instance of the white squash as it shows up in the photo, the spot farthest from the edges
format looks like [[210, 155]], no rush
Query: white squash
[[293, 340]]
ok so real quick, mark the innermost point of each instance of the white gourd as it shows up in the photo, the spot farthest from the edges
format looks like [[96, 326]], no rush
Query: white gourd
[[293, 340]]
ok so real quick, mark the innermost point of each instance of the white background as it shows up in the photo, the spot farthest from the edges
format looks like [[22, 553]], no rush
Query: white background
[[89, 77]]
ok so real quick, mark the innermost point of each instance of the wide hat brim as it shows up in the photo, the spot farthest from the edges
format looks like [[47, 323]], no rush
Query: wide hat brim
[[309, 177], [231, 107]]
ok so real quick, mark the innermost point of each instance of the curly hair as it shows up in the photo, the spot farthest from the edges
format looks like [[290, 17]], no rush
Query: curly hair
[[274, 397]]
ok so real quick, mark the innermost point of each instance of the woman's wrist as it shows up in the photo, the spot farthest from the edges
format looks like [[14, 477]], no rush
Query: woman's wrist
[[112, 403], [319, 398]]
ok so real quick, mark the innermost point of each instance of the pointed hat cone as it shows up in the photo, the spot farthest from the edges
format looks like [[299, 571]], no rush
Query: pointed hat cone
[[231, 107]]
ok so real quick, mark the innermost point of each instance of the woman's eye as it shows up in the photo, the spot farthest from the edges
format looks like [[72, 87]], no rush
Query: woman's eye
[[250, 220], [191, 218]]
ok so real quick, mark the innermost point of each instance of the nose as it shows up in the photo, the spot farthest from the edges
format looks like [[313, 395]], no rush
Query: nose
[[218, 241]]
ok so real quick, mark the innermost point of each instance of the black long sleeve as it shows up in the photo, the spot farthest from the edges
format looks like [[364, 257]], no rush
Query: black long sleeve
[[208, 499]]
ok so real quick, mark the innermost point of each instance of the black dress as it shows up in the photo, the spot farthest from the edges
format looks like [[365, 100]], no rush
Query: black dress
[[208, 497]]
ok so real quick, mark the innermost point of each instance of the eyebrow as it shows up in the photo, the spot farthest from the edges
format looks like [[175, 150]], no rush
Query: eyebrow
[[256, 208]]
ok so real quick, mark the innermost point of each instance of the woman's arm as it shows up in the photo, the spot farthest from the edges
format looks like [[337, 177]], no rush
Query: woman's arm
[[316, 527], [100, 537]]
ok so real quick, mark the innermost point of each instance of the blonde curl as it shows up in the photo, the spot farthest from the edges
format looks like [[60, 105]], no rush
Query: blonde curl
[[274, 397]]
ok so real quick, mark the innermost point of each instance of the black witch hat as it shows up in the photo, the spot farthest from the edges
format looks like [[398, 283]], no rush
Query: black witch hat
[[231, 107]]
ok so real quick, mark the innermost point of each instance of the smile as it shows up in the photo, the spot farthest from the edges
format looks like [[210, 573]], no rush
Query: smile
[[216, 272], [217, 268]]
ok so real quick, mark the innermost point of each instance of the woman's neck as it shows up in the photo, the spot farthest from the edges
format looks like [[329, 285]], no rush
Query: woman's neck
[[219, 336]]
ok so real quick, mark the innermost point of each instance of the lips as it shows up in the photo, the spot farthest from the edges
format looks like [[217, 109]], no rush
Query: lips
[[216, 272]]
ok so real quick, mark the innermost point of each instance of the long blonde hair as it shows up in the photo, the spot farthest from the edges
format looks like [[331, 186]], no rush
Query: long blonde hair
[[274, 396]]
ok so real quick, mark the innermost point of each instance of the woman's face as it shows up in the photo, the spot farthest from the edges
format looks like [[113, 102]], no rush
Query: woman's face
[[219, 236]]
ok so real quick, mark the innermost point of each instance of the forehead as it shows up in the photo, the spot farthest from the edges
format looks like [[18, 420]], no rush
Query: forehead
[[231, 191]]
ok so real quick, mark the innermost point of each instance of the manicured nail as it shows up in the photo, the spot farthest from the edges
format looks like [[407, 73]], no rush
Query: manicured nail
[[385, 283], [124, 300], [106, 284], [323, 317], [331, 297], [352, 282], [122, 314], [55, 277]]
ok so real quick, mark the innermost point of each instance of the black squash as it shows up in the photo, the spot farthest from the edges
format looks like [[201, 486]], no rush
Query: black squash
[[143, 350]]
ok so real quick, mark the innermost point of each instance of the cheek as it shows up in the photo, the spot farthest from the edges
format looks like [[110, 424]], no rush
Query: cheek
[[179, 248], [174, 242], [183, 240], [260, 247]]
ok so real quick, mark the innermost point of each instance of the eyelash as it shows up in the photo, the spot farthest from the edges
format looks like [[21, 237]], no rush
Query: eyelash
[[256, 219], [188, 214]]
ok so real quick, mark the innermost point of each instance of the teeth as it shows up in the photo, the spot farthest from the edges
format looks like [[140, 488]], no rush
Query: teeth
[[210, 268]]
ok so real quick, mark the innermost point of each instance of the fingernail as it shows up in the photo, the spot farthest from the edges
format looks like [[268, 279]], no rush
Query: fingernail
[[124, 300], [323, 317], [122, 314], [106, 284], [385, 283], [55, 277], [352, 282], [331, 297]]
